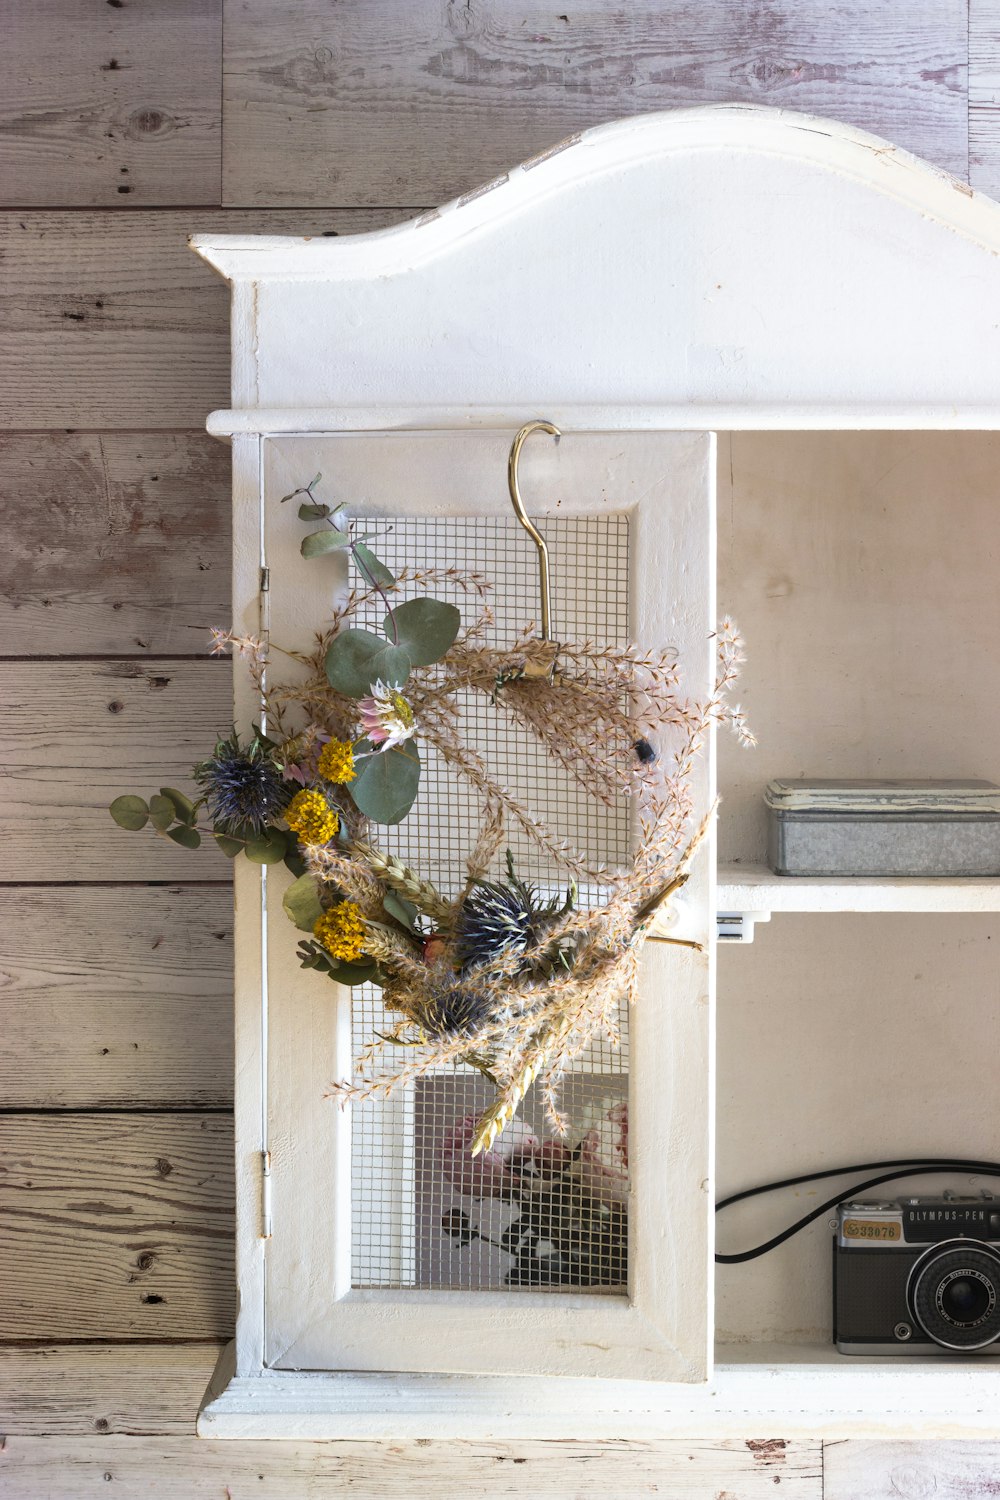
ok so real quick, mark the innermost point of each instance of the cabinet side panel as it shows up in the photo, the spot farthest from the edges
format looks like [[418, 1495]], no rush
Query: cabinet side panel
[[248, 936]]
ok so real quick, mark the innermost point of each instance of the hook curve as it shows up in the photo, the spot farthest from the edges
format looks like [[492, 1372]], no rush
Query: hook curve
[[522, 515]]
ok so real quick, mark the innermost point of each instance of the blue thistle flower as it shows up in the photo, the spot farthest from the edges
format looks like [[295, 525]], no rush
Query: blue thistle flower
[[459, 1011], [501, 917], [504, 917], [496, 919], [242, 786]]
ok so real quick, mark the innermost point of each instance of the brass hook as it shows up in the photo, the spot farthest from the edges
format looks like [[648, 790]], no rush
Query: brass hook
[[522, 516]]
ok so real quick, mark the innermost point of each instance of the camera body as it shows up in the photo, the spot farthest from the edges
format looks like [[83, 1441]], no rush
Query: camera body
[[919, 1275]]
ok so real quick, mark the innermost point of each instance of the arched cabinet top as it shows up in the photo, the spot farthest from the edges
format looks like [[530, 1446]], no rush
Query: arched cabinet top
[[720, 267]]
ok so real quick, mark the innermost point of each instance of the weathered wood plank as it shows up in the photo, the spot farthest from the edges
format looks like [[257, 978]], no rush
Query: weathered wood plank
[[116, 1227], [189, 1468], [115, 543], [138, 1389], [116, 996], [425, 101], [984, 96], [911, 1470], [74, 735], [107, 320], [111, 103]]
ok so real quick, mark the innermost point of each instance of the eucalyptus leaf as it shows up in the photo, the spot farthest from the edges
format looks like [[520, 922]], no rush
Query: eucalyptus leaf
[[269, 849], [391, 666], [318, 542], [131, 812], [349, 662], [161, 812], [386, 784], [294, 860], [377, 571], [404, 911], [425, 628], [353, 973], [312, 956], [230, 847], [184, 808], [313, 512], [188, 838], [302, 904]]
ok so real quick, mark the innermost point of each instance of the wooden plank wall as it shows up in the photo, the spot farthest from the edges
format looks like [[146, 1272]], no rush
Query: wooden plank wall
[[124, 126]]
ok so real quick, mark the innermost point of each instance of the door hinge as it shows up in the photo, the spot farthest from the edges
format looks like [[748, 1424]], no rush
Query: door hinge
[[265, 1194], [265, 580]]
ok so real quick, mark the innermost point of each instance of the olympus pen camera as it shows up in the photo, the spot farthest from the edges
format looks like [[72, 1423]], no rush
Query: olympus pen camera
[[919, 1274]]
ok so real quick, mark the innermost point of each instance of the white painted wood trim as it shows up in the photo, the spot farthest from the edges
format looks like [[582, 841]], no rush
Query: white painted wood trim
[[722, 267], [587, 417], [886, 169], [753, 888], [794, 1390], [248, 940], [315, 1320]]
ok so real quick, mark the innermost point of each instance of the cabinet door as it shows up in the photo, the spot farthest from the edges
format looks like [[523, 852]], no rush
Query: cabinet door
[[360, 1272]]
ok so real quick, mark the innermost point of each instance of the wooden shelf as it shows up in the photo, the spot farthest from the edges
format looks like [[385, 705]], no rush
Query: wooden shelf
[[799, 1390], [752, 888]]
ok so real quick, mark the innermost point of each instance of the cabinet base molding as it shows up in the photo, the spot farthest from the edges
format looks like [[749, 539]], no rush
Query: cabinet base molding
[[794, 1390]]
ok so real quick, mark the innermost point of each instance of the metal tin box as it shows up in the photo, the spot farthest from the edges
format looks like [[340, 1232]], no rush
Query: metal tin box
[[922, 828]]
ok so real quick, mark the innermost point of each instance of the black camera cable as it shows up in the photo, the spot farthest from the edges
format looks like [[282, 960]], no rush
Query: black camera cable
[[910, 1166]]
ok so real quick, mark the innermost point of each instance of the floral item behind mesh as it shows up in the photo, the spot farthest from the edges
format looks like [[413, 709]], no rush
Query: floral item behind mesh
[[571, 1227], [490, 972]]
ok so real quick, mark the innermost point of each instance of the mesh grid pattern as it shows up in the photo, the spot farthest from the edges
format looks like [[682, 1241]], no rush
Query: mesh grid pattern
[[424, 1214]]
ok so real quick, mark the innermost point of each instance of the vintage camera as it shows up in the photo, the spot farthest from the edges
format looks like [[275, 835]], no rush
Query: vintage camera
[[919, 1274]]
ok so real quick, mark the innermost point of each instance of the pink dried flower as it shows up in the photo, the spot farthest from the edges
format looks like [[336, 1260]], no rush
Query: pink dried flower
[[386, 717], [494, 1173], [602, 1164]]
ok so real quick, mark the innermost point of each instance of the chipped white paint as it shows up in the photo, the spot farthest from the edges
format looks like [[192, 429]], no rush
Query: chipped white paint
[[710, 267], [664, 483], [727, 267]]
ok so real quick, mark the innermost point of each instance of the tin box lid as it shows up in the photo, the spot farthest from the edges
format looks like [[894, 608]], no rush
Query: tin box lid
[[810, 794]]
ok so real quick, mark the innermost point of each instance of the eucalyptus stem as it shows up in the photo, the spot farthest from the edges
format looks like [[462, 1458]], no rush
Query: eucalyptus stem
[[373, 581]]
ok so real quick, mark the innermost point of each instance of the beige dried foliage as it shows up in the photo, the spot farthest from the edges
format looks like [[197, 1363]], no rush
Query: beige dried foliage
[[529, 1016]]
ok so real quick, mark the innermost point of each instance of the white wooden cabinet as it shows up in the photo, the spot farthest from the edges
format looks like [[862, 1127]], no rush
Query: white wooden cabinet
[[831, 308]]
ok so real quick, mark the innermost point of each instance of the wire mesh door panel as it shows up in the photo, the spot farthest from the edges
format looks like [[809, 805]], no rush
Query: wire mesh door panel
[[424, 1214], [392, 1248]]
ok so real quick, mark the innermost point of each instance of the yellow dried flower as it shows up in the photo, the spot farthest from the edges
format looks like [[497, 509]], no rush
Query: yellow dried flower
[[342, 932], [336, 761], [312, 818]]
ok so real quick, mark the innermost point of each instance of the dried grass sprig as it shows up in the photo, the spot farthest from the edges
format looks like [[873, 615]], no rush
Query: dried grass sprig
[[527, 1016], [399, 877]]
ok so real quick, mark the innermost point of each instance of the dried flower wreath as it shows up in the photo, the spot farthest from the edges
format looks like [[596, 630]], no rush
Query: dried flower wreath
[[494, 973]]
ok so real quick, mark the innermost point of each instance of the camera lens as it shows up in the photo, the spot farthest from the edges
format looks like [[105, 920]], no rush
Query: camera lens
[[963, 1299], [954, 1291]]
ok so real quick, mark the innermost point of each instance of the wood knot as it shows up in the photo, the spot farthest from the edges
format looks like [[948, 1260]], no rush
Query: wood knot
[[163, 1166], [464, 18], [143, 123]]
